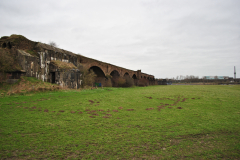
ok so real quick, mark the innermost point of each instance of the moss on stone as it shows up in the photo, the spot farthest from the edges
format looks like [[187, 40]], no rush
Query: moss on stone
[[63, 65]]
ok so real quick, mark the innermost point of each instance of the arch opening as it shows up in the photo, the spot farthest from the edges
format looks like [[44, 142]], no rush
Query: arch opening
[[134, 76], [126, 75], [115, 74], [4, 45], [115, 77], [98, 71], [100, 79], [9, 45]]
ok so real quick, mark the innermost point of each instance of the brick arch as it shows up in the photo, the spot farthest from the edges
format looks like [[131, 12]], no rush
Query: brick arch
[[98, 71], [99, 66], [115, 72], [112, 69], [126, 74], [134, 76]]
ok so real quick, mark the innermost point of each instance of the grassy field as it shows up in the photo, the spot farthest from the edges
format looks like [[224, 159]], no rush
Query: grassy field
[[156, 122]]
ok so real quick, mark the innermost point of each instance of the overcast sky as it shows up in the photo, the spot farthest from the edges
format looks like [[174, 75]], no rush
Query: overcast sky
[[164, 38]]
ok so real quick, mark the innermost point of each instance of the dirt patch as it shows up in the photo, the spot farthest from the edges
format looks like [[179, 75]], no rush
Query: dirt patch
[[161, 107], [34, 107], [149, 108], [46, 110], [166, 104], [87, 110], [91, 101], [193, 98], [169, 107], [61, 111], [179, 108], [25, 107], [148, 97], [130, 109], [95, 114], [108, 114], [184, 99], [100, 110], [120, 108], [73, 112], [93, 111], [80, 112], [92, 116], [98, 102], [58, 114], [53, 111], [115, 110]]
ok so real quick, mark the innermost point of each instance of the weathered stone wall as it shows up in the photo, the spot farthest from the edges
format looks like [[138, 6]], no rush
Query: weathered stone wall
[[35, 59]]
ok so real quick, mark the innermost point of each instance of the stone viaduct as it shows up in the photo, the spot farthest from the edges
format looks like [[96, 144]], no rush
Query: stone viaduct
[[35, 59], [103, 69]]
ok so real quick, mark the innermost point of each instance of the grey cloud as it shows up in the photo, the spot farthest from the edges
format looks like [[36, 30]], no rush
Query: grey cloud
[[163, 38]]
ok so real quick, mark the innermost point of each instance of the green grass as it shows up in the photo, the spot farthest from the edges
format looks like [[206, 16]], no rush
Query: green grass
[[207, 127]]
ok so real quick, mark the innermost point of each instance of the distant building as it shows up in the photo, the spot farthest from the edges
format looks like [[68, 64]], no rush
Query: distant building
[[216, 77]]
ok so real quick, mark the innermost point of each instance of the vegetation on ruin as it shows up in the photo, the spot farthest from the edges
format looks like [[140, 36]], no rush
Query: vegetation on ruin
[[7, 63], [26, 85], [63, 65], [32, 52], [88, 77], [154, 122]]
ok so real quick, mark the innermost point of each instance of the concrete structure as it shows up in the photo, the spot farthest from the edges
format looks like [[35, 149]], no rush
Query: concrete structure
[[42, 61]]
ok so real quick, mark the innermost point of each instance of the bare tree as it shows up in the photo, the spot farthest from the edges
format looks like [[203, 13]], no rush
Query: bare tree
[[53, 44]]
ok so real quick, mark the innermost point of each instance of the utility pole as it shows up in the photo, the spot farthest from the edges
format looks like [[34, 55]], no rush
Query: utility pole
[[234, 72]]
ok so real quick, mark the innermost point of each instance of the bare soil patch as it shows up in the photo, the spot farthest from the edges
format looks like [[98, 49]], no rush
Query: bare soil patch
[[184, 99], [61, 111], [91, 101], [115, 110], [120, 108], [149, 108], [34, 107], [179, 108], [130, 109], [148, 97], [73, 112], [80, 112], [46, 110]]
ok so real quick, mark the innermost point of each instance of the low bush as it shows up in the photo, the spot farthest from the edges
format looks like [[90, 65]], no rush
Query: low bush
[[143, 82]]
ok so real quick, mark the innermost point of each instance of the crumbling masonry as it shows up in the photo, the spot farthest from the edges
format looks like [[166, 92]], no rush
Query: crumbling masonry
[[51, 64]]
